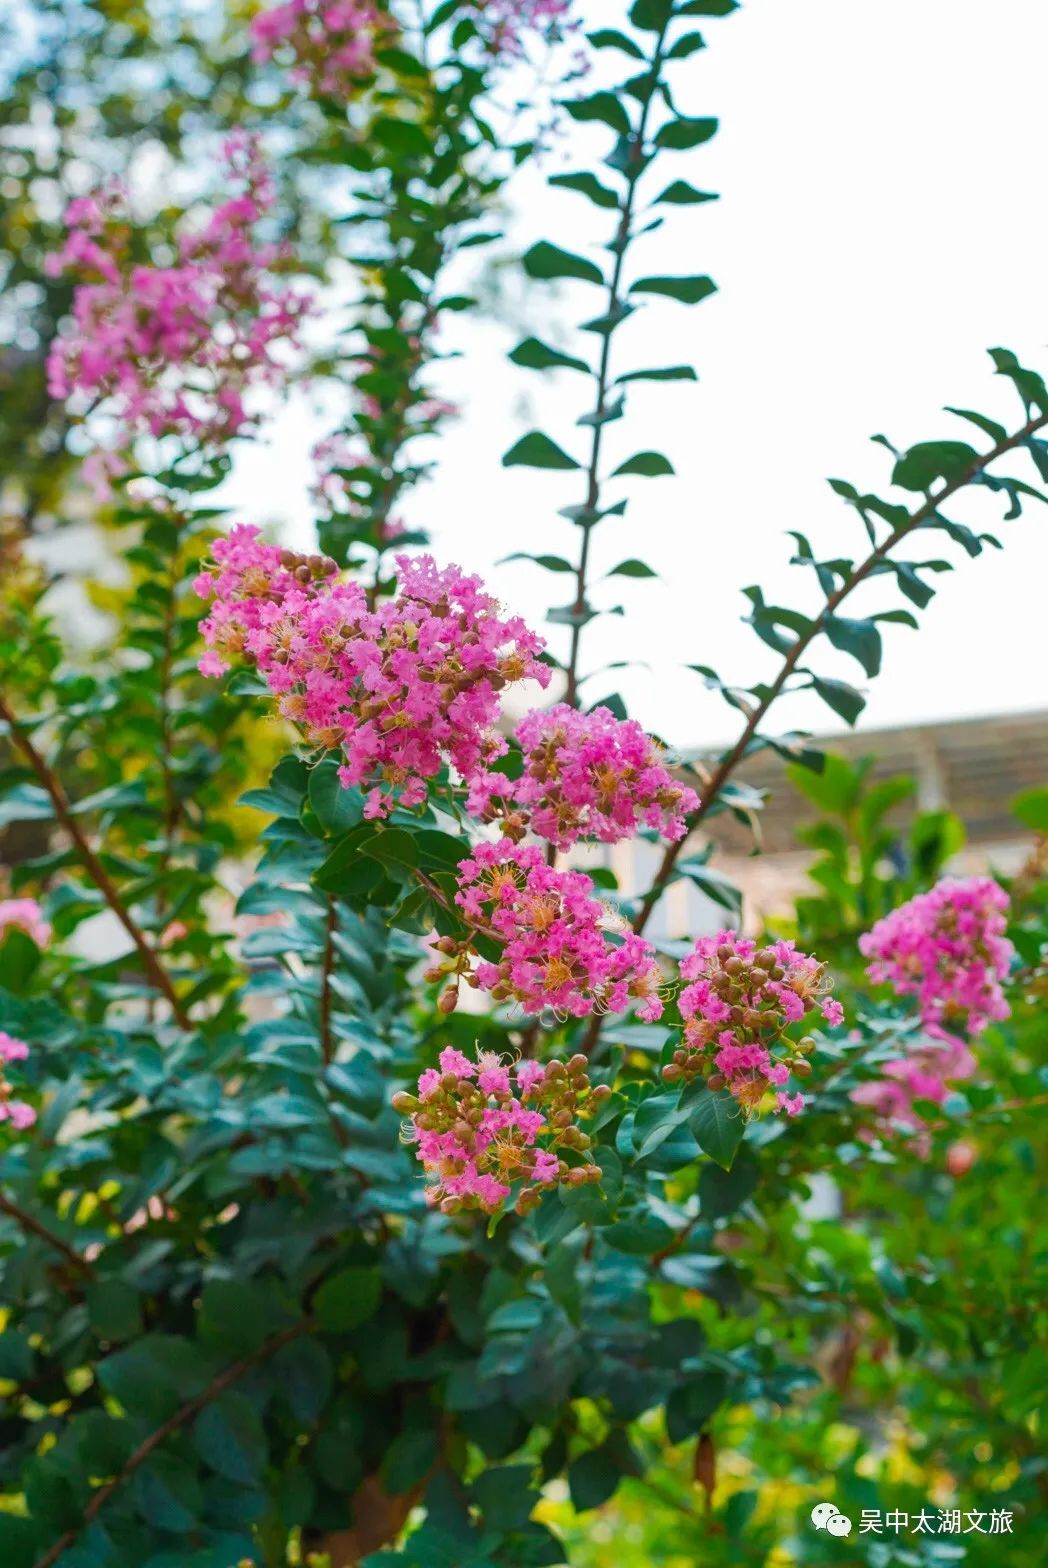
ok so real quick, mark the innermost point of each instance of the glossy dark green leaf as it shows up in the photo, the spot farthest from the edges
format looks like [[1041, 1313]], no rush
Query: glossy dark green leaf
[[611, 38], [535, 355], [651, 465], [230, 1438], [632, 568], [668, 373], [841, 697], [586, 185], [347, 1299], [690, 44], [604, 107], [922, 465], [680, 194], [680, 135], [548, 261], [860, 638], [536, 450], [688, 290], [717, 1123]]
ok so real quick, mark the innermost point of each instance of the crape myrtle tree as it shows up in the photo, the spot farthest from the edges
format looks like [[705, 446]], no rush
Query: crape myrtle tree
[[356, 1190]]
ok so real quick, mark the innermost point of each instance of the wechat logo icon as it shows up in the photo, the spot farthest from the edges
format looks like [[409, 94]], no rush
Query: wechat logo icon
[[827, 1516]]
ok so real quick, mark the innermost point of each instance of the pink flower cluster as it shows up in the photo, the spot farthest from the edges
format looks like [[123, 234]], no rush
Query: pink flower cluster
[[17, 1112], [947, 948], [925, 1074], [557, 952], [24, 914], [479, 1129], [586, 775], [329, 43], [175, 350], [737, 1006], [505, 23], [401, 690]]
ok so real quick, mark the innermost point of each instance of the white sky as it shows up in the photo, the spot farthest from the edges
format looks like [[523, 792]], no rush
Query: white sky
[[882, 222]]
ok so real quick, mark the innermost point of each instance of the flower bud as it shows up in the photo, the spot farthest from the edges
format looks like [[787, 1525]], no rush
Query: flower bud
[[448, 999]]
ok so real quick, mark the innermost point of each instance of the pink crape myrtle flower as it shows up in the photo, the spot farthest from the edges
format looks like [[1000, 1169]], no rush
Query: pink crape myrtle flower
[[558, 953], [737, 1004], [505, 24], [24, 914], [947, 948], [329, 45], [401, 691], [17, 1112], [926, 1073], [175, 350], [482, 1127], [586, 776]]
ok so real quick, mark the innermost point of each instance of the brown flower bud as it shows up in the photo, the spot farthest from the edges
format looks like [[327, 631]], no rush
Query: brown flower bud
[[448, 999]]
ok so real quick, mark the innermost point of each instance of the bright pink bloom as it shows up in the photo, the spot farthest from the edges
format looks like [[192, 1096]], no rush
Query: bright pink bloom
[[24, 914], [736, 1007], [401, 691], [925, 1073], [947, 948], [558, 953], [477, 1138], [175, 350], [586, 775], [329, 47], [17, 1112]]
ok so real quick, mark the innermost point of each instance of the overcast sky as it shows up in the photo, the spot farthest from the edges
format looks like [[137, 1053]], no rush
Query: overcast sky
[[882, 222]]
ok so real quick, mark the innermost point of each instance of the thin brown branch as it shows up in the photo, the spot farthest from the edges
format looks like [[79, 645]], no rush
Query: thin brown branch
[[37, 1228], [92, 864], [728, 764], [173, 1424]]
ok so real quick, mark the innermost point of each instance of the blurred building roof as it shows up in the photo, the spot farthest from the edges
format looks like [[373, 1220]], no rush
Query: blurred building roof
[[973, 767]]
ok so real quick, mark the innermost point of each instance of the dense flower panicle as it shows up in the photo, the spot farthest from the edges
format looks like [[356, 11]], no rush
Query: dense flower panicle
[[739, 1001], [558, 953], [24, 914], [175, 350], [330, 44], [925, 1073], [401, 690], [17, 1112], [586, 775], [947, 948], [481, 1127]]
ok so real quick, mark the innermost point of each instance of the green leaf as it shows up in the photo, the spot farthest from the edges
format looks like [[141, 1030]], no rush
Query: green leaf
[[860, 638], [922, 465], [592, 1478], [229, 1316], [26, 803], [651, 16], [707, 8], [679, 135], [841, 697], [721, 1192], [603, 106], [1031, 807], [348, 1298], [717, 1124], [632, 568], [690, 44], [551, 563], [651, 464], [230, 1438], [168, 1494], [534, 355], [670, 373], [689, 290], [306, 1377], [681, 194], [337, 807], [548, 261], [536, 450], [611, 38], [587, 185], [114, 1309]]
